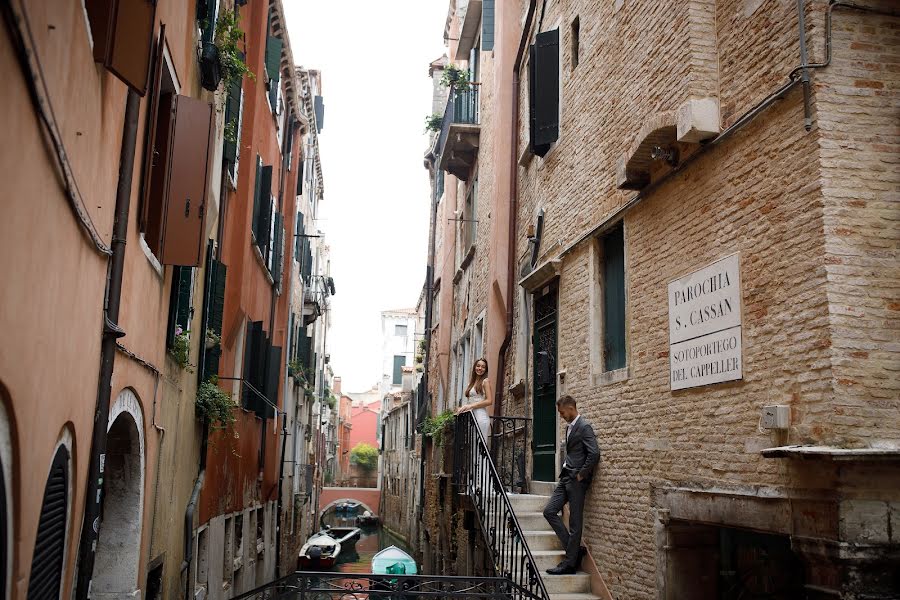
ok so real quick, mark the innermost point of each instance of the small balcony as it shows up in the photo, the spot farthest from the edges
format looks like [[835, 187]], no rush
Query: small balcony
[[457, 144]]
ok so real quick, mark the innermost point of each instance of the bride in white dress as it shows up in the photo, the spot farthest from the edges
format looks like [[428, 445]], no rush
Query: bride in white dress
[[478, 394]]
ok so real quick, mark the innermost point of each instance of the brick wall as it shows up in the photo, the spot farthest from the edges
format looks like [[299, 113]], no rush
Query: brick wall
[[813, 215]]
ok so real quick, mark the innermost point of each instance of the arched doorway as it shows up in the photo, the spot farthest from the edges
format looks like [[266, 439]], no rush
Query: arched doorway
[[119, 545]]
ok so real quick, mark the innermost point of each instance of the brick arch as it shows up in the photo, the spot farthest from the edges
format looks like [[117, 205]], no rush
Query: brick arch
[[370, 498]]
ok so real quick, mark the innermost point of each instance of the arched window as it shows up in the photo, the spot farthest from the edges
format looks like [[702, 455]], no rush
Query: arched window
[[49, 546]]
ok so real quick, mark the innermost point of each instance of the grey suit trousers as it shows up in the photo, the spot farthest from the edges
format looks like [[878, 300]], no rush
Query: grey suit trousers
[[568, 491]]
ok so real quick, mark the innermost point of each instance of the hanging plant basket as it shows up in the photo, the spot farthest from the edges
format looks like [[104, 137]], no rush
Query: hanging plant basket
[[210, 67]]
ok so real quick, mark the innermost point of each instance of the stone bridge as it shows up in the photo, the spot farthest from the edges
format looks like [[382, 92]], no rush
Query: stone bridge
[[369, 497]]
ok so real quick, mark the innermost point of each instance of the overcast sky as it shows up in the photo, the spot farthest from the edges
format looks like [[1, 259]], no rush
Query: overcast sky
[[374, 60]]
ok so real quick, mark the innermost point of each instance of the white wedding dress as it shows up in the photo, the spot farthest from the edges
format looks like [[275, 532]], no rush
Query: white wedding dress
[[481, 415]]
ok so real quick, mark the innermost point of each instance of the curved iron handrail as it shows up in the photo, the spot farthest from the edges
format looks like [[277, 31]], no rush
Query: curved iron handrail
[[475, 471]]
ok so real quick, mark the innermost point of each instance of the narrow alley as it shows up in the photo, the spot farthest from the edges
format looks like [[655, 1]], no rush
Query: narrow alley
[[632, 333]]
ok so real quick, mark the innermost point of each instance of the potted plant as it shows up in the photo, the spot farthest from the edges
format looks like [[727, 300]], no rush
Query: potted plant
[[433, 123], [212, 340], [455, 77], [221, 61], [214, 406], [181, 349]]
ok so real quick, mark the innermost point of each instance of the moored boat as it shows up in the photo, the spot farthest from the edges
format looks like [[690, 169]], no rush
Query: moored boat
[[319, 553], [367, 519], [346, 536], [393, 561]]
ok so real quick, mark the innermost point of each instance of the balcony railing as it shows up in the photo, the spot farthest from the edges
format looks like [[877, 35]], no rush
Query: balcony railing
[[353, 586], [458, 141]]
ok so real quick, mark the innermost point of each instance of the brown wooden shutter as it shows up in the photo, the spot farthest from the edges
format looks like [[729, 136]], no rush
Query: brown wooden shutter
[[182, 239], [152, 108], [122, 31]]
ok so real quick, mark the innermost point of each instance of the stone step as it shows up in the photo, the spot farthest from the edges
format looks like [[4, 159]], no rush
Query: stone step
[[528, 502], [546, 559], [579, 583], [542, 540], [543, 488], [574, 597], [532, 521]]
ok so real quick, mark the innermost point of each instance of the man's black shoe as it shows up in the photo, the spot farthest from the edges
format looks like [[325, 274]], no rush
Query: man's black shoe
[[561, 571]]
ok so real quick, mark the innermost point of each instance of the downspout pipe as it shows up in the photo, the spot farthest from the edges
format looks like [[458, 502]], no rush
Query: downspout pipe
[[111, 332], [513, 209], [429, 318], [288, 139]]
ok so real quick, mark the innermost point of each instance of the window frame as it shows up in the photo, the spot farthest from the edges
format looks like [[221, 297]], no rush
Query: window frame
[[599, 374]]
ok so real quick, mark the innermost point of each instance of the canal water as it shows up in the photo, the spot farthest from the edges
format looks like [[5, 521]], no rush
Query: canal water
[[372, 540]]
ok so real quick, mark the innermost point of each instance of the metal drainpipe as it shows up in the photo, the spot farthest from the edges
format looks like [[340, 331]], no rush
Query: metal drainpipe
[[288, 136], [111, 332], [429, 316], [513, 210], [804, 77]]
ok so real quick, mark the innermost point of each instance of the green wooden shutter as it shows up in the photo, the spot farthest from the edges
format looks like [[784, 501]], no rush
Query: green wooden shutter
[[257, 185], [273, 59], [614, 300], [546, 106], [300, 165], [214, 317], [185, 290], [253, 350], [273, 377], [233, 121], [487, 25], [264, 205], [298, 232], [49, 546], [278, 259]]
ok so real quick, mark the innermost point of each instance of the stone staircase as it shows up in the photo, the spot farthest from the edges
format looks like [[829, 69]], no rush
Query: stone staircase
[[548, 551]]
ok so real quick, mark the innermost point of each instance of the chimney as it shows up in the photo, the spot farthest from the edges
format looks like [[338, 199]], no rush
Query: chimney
[[409, 377], [336, 386]]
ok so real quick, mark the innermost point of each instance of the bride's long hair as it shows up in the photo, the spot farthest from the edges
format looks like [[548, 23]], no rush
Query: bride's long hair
[[476, 381]]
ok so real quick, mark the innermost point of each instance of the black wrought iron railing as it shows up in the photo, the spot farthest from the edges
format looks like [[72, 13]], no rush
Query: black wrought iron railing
[[475, 475], [509, 449], [353, 586]]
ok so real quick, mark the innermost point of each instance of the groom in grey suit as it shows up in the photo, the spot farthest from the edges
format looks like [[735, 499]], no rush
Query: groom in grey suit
[[582, 454]]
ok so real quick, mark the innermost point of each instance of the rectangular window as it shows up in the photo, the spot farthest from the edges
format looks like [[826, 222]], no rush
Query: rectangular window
[[181, 308], [400, 330], [399, 363], [479, 341], [612, 276]]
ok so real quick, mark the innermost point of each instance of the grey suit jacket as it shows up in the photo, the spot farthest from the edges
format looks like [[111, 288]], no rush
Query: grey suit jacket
[[582, 451]]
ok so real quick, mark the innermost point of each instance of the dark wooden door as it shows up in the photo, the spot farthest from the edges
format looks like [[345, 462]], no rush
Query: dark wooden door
[[544, 380]]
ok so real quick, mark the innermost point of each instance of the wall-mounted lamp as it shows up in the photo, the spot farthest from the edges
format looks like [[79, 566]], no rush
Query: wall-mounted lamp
[[668, 154]]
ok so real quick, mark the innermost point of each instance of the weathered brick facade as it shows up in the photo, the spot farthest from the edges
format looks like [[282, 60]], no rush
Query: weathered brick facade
[[814, 218]]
